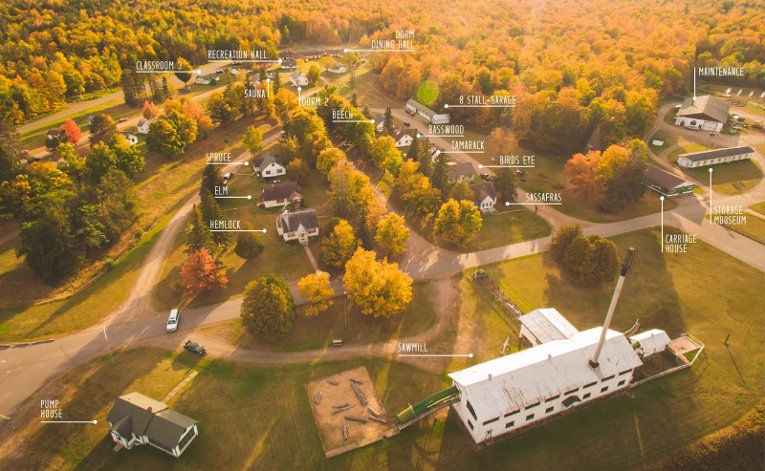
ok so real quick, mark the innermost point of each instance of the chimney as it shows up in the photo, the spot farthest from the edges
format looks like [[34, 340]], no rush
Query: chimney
[[489, 376], [148, 409], [629, 260]]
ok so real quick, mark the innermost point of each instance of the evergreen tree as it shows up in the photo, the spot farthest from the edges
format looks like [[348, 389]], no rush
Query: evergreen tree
[[198, 234], [268, 308], [505, 185], [211, 178], [211, 211], [276, 83], [388, 121], [439, 177]]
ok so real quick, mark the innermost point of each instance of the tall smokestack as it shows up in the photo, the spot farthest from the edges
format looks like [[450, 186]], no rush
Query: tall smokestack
[[629, 260]]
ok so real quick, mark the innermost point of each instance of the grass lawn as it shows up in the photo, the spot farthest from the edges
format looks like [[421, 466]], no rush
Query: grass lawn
[[84, 308], [754, 228], [311, 333], [287, 259], [730, 179], [274, 427], [502, 228], [759, 207], [669, 141], [368, 89]]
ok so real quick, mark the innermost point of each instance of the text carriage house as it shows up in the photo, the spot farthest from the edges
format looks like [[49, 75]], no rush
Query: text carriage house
[[136, 419]]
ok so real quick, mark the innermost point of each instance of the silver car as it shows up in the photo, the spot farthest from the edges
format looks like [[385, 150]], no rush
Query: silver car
[[173, 320]]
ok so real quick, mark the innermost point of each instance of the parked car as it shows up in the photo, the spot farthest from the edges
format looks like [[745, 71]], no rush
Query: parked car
[[406, 124], [227, 177], [173, 320], [195, 348], [486, 176], [122, 120]]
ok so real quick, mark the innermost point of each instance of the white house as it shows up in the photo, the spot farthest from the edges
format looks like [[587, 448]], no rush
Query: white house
[[282, 194], [131, 138], [460, 172], [649, 342], [207, 79], [705, 113], [484, 196], [268, 166], [405, 137], [715, 156], [544, 325], [298, 79], [511, 392], [379, 122], [337, 69], [298, 225], [143, 126], [415, 108], [139, 420]]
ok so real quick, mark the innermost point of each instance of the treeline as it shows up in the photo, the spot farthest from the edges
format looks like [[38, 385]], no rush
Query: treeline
[[54, 51], [622, 58]]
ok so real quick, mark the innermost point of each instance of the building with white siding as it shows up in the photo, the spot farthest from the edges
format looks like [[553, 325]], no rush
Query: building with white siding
[[715, 156], [545, 324], [511, 392]]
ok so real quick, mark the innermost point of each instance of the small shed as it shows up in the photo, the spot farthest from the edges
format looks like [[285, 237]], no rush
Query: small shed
[[545, 324], [650, 342]]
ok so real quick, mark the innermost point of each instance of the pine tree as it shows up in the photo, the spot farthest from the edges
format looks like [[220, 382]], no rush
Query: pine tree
[[276, 82], [388, 121], [439, 178], [211, 211], [211, 178], [198, 234]]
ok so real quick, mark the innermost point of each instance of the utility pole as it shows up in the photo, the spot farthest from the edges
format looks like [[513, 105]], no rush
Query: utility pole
[[109, 345], [345, 311]]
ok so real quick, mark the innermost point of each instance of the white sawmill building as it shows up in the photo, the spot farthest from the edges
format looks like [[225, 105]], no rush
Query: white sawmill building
[[505, 394]]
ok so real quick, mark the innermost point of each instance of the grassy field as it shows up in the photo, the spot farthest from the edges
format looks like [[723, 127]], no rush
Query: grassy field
[[502, 228], [754, 228], [310, 333], [759, 207], [84, 308], [266, 421], [730, 179]]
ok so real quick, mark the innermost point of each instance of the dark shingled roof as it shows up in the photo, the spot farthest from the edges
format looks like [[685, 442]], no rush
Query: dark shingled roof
[[481, 191], [280, 191], [464, 169], [136, 413], [265, 161], [307, 218], [717, 153], [705, 107], [660, 178]]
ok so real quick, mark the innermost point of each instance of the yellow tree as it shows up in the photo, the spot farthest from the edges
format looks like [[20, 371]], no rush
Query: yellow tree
[[317, 289], [380, 289], [392, 234], [338, 246]]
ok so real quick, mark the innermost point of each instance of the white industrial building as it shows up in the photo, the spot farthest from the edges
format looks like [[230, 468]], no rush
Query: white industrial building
[[511, 392], [714, 156], [650, 342], [415, 108], [545, 324], [704, 113]]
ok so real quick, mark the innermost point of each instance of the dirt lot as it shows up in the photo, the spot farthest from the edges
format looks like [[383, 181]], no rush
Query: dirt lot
[[354, 425]]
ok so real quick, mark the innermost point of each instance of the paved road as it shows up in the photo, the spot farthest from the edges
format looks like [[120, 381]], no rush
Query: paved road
[[83, 105], [30, 367]]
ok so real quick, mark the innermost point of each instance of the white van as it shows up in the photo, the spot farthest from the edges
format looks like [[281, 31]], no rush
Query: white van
[[173, 320]]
